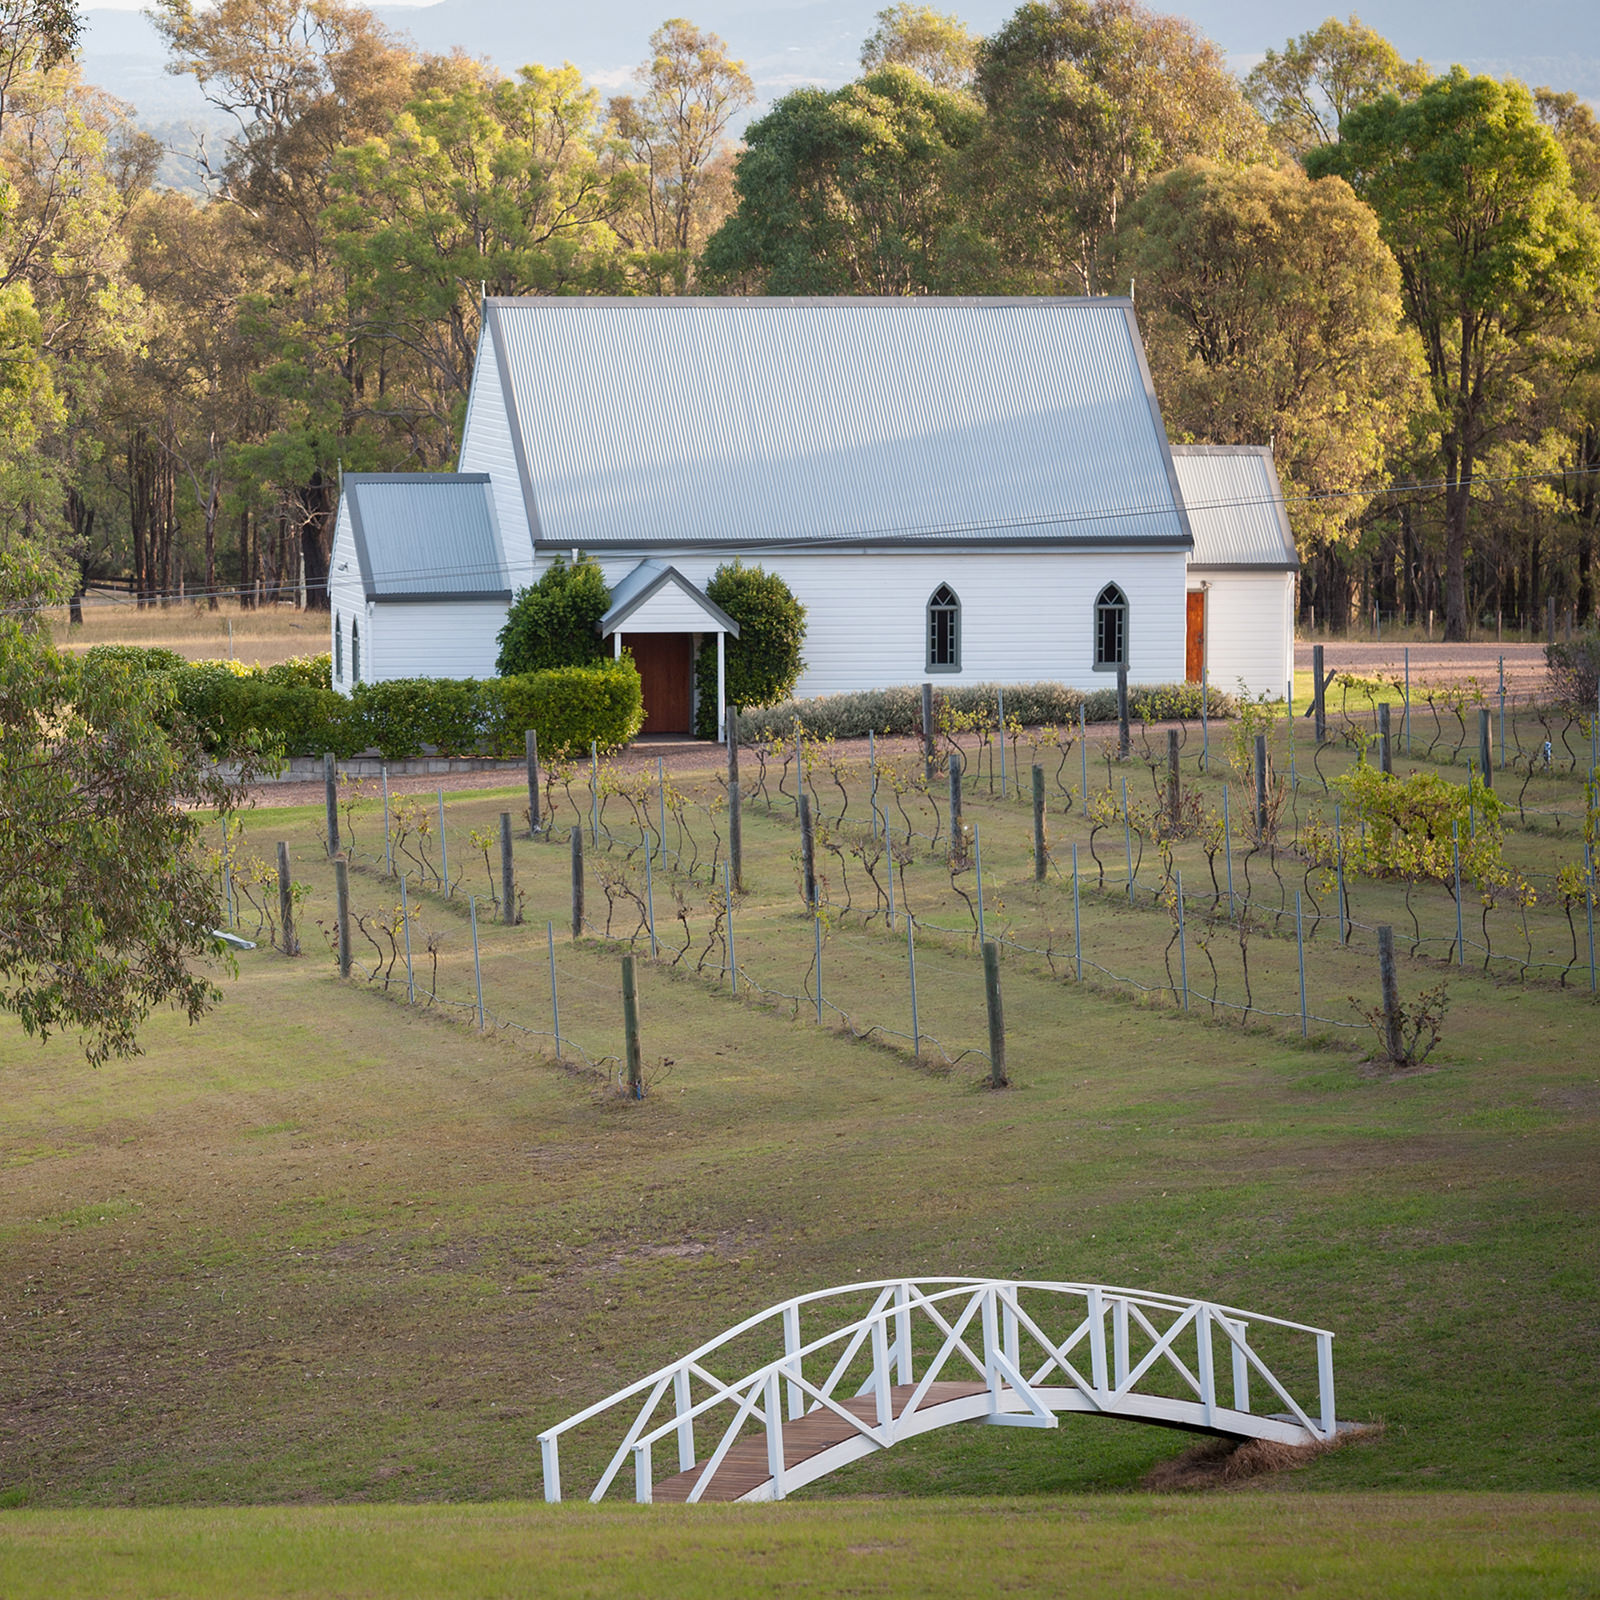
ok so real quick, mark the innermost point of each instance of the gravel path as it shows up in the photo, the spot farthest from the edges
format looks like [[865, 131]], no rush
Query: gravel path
[[1434, 663]]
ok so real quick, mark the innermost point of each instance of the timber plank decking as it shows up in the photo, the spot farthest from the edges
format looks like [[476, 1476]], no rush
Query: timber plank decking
[[745, 1466]]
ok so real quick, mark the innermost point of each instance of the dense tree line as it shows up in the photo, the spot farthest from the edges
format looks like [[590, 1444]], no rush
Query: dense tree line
[[1391, 276]]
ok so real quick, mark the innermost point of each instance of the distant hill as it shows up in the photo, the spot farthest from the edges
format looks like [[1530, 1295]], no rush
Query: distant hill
[[817, 41]]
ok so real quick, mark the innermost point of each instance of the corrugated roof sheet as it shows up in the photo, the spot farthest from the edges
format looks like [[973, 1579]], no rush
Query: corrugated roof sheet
[[426, 535], [1235, 506], [746, 421]]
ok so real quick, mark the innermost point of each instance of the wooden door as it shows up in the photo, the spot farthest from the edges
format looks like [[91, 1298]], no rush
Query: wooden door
[[1194, 646], [665, 661]]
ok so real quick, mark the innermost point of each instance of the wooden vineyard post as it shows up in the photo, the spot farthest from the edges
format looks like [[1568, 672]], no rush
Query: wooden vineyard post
[[388, 841], [1123, 742], [1385, 747], [577, 881], [508, 882], [630, 1029], [955, 805], [1485, 749], [808, 851], [1261, 787], [927, 733], [1393, 1040], [1039, 860], [736, 801], [291, 944], [1174, 786], [330, 801], [997, 1022], [531, 739], [1319, 698], [341, 884]]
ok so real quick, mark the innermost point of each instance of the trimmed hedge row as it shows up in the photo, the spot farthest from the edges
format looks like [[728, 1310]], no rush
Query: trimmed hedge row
[[899, 710], [294, 707]]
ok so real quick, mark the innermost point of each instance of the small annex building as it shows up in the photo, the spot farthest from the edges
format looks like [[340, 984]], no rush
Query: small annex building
[[970, 490]]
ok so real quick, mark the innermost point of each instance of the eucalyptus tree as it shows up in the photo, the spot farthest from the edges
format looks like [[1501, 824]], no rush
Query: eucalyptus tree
[[857, 190], [938, 46], [1497, 255]]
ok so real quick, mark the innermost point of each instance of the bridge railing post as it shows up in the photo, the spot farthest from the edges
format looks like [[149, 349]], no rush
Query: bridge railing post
[[882, 1377], [773, 1404], [1119, 1341], [1010, 1327], [1096, 1314], [791, 1349], [550, 1448], [991, 1345], [644, 1480], [683, 1405], [902, 1332], [1330, 1421], [1207, 1373], [1241, 1367]]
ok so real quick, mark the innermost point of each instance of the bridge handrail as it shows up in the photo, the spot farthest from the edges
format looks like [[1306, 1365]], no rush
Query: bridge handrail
[[1146, 1297], [898, 1299]]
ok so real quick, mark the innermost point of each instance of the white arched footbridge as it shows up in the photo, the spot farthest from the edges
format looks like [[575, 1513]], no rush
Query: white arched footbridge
[[867, 1365]]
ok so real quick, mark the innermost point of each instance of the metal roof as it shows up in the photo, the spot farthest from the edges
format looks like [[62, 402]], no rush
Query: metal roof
[[690, 422], [426, 536], [648, 578], [1235, 506]]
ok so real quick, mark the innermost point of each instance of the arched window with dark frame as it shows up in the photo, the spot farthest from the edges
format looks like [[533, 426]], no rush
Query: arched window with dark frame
[[944, 630], [338, 648], [1111, 628], [355, 651]]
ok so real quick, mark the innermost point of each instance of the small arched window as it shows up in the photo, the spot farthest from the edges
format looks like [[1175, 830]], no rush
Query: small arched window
[[1111, 628], [338, 648], [355, 651], [944, 630]]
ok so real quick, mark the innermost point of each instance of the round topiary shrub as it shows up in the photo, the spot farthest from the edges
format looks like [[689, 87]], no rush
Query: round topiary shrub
[[764, 663], [553, 624]]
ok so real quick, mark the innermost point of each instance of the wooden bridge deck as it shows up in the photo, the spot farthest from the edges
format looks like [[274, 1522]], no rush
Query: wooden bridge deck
[[745, 1466]]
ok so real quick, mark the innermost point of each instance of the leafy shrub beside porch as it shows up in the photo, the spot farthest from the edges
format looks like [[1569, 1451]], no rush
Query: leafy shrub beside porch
[[764, 663], [555, 623], [899, 710]]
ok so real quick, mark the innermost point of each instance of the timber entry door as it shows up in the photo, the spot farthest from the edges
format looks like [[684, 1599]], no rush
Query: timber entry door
[[664, 661], [1194, 643]]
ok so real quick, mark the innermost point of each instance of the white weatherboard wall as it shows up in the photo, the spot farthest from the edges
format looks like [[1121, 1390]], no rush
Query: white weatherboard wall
[[1025, 617], [433, 639], [346, 597], [1249, 629]]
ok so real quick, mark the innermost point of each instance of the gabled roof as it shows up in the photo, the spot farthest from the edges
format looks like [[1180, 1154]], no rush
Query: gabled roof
[[688, 423], [647, 580], [426, 536], [1235, 506]]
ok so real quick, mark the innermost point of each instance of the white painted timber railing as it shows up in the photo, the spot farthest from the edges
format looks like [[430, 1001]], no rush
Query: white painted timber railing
[[882, 1361]]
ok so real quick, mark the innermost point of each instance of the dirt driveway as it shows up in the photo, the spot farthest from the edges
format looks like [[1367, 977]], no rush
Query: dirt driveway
[[1433, 663]]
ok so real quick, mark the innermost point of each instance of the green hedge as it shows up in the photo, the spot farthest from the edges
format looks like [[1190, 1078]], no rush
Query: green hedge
[[290, 708], [899, 710]]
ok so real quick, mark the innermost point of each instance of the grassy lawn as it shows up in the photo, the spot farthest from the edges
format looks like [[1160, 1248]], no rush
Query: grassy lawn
[[268, 634], [1336, 1546], [329, 1247]]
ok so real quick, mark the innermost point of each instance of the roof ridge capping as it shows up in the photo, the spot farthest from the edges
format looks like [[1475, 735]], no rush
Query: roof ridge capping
[[757, 301]]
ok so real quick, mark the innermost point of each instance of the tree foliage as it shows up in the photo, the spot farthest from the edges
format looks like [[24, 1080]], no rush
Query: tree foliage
[[1305, 90], [1271, 310], [555, 622], [1474, 197], [933, 44], [104, 905], [853, 191]]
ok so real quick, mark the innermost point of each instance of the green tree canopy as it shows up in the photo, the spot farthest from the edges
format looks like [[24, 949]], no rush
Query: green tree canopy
[[764, 663], [940, 47], [853, 191], [1271, 311], [104, 902], [555, 622], [1305, 90], [1088, 101], [1496, 253]]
